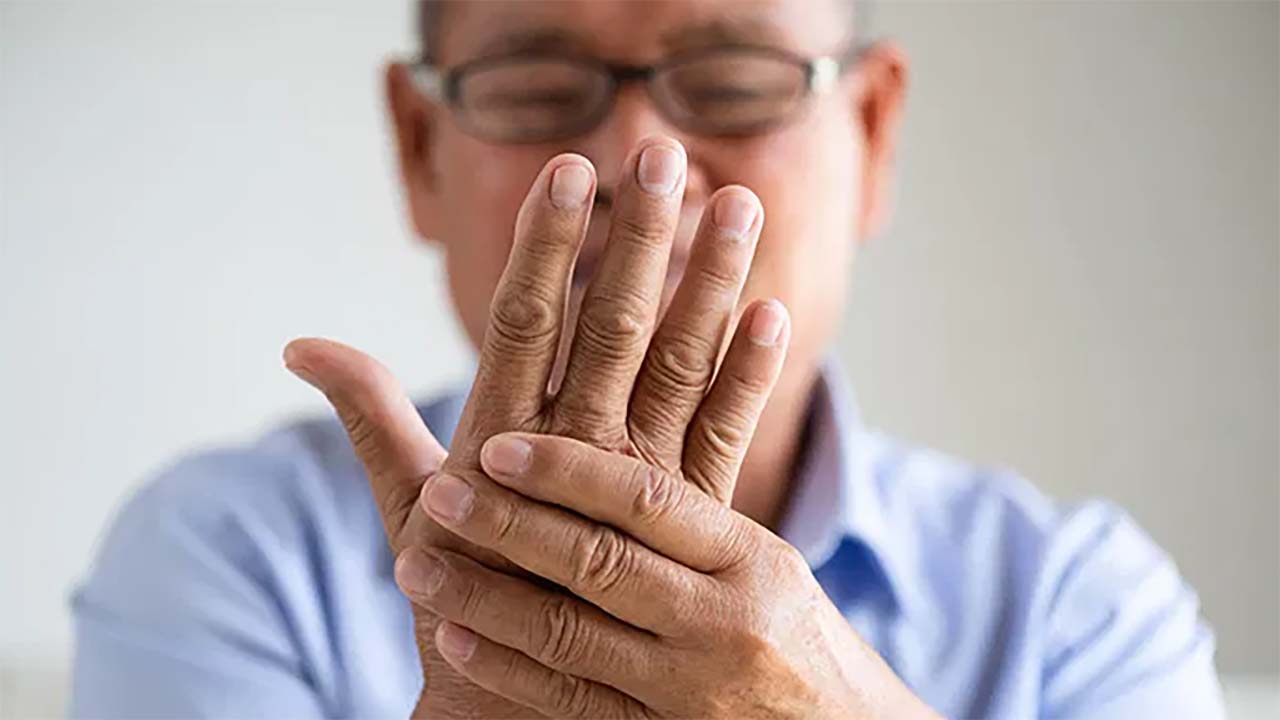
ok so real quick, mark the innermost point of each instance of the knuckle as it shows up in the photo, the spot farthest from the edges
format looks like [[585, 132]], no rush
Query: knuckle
[[718, 277], [558, 642], [583, 419], [774, 566], [604, 560], [612, 327], [735, 547], [722, 436], [551, 235], [515, 667], [642, 230], [745, 386], [363, 433], [656, 494], [523, 314], [681, 364], [505, 524], [788, 561], [570, 697], [471, 597]]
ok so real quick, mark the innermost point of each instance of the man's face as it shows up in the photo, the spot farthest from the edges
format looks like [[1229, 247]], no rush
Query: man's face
[[818, 176]]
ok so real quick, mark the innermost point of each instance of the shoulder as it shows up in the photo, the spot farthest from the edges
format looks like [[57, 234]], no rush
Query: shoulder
[[296, 495], [266, 486], [246, 578], [234, 522], [955, 506], [1078, 591], [299, 486]]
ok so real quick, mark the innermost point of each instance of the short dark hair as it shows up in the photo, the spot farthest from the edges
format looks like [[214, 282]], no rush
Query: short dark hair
[[431, 11]]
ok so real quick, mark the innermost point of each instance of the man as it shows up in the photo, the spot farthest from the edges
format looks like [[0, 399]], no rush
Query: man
[[575, 553]]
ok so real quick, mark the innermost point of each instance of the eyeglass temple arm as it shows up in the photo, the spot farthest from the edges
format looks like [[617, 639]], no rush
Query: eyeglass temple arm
[[429, 80], [825, 71]]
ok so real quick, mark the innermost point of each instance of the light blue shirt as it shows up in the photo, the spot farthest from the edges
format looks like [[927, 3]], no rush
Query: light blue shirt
[[256, 582]]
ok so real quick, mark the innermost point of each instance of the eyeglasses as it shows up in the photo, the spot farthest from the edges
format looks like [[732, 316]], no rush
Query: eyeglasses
[[546, 97]]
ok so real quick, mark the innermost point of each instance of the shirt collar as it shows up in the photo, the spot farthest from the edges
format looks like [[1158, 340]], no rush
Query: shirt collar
[[835, 500]]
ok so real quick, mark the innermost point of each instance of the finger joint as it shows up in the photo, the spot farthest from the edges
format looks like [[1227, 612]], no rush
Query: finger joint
[[558, 643], [646, 232], [523, 317], [722, 436], [570, 697], [505, 527], [612, 329], [655, 496], [681, 364], [471, 599], [604, 560]]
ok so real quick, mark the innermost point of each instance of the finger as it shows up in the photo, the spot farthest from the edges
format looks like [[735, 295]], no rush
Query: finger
[[659, 509], [721, 431], [518, 678], [597, 563], [527, 310], [686, 346], [622, 300], [394, 445], [554, 628]]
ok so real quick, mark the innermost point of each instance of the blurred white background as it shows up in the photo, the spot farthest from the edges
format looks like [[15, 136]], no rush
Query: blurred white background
[[1083, 280]]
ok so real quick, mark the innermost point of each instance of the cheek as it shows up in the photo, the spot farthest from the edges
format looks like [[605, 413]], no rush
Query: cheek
[[807, 179], [481, 188]]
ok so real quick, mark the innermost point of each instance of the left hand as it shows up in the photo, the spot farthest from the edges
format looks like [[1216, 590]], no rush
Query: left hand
[[684, 607]]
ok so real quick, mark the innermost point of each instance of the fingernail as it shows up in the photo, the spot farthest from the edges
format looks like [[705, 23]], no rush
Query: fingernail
[[570, 185], [456, 641], [419, 573], [734, 213], [449, 498], [659, 169], [304, 375], [766, 324], [505, 455], [290, 357]]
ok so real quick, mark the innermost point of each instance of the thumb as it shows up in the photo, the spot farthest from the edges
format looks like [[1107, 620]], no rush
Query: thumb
[[394, 445]]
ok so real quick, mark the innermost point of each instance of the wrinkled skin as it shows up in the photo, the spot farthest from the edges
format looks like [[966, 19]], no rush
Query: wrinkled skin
[[637, 440], [672, 603]]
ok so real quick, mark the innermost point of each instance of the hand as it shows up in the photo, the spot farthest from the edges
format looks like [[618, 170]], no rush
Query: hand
[[627, 387], [687, 609]]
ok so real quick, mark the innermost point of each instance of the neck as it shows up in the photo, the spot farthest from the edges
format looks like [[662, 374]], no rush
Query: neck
[[764, 483]]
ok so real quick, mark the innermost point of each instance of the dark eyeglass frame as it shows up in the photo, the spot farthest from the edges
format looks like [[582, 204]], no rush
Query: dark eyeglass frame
[[821, 75]]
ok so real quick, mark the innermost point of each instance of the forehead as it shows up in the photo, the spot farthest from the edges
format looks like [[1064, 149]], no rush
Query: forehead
[[636, 30]]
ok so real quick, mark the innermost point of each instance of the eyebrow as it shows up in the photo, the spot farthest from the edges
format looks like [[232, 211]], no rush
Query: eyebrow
[[536, 40], [721, 31], [724, 31]]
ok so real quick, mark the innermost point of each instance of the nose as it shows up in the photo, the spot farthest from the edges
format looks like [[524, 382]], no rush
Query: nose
[[633, 118]]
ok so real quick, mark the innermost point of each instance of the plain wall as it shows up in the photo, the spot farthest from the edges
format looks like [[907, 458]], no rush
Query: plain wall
[[1081, 281]]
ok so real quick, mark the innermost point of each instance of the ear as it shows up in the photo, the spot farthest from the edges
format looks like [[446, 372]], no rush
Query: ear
[[880, 97], [412, 115]]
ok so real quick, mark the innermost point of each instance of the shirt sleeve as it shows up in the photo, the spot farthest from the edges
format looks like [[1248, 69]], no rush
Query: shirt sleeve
[[1125, 639], [183, 615]]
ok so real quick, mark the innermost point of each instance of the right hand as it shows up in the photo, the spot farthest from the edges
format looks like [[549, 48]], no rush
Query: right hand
[[627, 387]]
